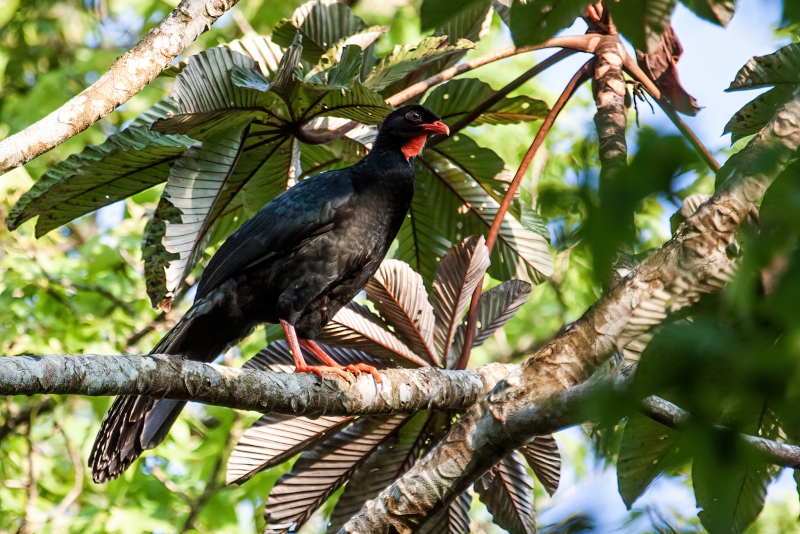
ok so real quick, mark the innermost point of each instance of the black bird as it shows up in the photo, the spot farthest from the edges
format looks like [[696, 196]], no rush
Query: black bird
[[296, 262]]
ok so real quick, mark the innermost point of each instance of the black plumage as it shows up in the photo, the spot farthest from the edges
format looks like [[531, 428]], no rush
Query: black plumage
[[296, 262]]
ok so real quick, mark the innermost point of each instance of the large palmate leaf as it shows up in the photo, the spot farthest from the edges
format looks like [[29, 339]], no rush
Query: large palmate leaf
[[354, 326], [322, 24], [458, 163], [781, 67], [201, 184], [459, 273], [646, 450], [274, 439], [322, 470], [208, 99], [456, 98], [507, 491], [732, 495], [495, 308], [125, 164], [399, 295], [643, 22], [757, 113], [535, 22], [544, 458], [392, 459], [405, 59]]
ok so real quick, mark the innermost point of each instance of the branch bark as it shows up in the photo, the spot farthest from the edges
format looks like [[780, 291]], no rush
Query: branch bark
[[125, 78], [511, 414], [171, 377]]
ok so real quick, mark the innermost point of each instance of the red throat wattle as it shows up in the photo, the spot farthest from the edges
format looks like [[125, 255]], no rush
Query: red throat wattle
[[414, 146]]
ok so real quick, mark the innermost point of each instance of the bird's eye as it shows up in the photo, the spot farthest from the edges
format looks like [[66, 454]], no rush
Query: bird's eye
[[413, 116]]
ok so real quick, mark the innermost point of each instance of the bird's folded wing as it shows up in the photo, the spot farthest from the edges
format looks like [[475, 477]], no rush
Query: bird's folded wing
[[306, 210]]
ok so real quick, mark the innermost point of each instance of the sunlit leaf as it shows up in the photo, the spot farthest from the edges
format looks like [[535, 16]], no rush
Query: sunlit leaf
[[459, 273], [758, 112], [399, 295], [781, 67]]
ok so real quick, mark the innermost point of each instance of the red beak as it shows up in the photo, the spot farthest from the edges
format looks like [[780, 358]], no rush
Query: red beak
[[437, 127]]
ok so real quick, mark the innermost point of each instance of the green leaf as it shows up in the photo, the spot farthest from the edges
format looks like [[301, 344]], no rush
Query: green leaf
[[363, 39], [535, 22], [459, 163], [209, 100], [406, 59], [643, 21], [201, 184], [127, 163], [717, 11], [758, 112], [646, 450], [322, 23], [436, 13], [454, 99], [272, 168], [782, 67]]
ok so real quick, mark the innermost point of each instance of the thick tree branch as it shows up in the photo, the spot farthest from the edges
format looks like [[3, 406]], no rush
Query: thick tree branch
[[611, 119], [126, 77], [171, 377], [511, 413]]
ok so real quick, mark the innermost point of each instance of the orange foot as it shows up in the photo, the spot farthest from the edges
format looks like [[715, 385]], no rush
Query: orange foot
[[319, 369], [356, 369]]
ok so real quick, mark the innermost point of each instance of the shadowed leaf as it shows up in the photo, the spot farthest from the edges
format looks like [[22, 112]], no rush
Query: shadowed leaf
[[643, 22], [454, 520], [392, 459], [758, 112], [322, 470], [535, 22], [507, 491], [661, 65], [399, 295], [781, 67], [544, 458], [717, 11]]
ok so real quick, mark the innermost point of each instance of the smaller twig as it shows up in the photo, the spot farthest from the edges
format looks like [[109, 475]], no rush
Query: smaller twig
[[581, 76]]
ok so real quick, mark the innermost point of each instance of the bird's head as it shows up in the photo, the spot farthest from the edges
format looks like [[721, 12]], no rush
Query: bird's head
[[409, 127]]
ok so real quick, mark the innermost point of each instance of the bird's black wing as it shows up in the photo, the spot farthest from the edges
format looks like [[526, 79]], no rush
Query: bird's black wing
[[305, 210]]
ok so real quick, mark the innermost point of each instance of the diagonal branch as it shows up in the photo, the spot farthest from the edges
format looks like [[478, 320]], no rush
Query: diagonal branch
[[125, 78], [516, 409]]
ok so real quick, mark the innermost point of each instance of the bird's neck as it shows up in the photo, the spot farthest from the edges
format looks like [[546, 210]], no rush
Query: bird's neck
[[409, 146]]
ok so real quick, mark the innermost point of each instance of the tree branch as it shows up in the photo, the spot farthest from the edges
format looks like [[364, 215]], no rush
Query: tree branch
[[125, 78], [513, 411], [171, 377]]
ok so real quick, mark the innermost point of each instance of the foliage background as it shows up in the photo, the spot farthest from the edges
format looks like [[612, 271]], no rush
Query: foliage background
[[80, 289]]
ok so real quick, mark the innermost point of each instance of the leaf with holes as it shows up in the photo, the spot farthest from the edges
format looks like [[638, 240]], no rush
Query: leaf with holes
[[758, 112], [647, 449], [535, 22], [390, 461], [276, 438], [355, 327], [127, 163], [201, 184], [322, 470], [781, 67], [507, 491], [399, 295], [544, 458], [454, 99], [322, 24], [406, 59], [459, 273], [495, 307]]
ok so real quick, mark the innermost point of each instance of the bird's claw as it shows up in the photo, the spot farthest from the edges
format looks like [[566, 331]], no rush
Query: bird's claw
[[356, 369], [319, 369]]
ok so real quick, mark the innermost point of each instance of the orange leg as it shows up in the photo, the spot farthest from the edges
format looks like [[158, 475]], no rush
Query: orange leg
[[299, 362], [356, 368]]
